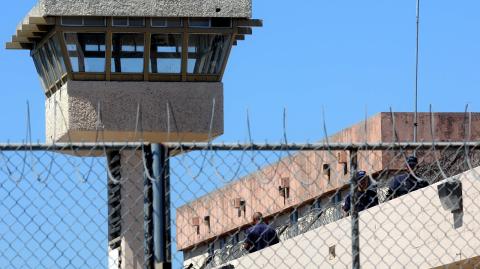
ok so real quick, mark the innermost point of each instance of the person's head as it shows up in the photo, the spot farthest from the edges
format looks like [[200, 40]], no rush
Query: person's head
[[363, 180], [257, 217], [412, 162]]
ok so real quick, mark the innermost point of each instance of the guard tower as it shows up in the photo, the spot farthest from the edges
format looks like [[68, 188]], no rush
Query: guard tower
[[138, 69], [128, 71]]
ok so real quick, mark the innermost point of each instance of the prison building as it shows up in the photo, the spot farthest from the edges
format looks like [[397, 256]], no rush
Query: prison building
[[293, 191], [417, 230]]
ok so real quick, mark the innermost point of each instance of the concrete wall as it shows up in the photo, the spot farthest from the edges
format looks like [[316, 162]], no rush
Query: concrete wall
[[57, 116], [83, 103], [132, 248], [368, 131], [153, 8], [130, 254], [446, 127], [260, 191], [413, 231], [306, 176], [197, 255]]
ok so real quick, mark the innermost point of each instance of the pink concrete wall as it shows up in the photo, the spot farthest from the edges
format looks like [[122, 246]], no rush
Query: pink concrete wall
[[446, 127], [260, 190]]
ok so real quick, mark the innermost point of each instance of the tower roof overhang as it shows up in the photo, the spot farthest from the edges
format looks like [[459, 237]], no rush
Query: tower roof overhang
[[42, 17]]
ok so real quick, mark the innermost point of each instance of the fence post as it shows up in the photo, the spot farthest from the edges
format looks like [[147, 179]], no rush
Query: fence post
[[147, 210], [353, 210], [160, 207]]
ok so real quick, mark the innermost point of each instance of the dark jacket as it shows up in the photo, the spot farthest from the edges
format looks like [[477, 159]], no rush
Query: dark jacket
[[261, 236], [403, 184], [365, 200]]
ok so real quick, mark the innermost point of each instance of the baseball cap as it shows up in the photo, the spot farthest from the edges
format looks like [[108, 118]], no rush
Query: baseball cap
[[361, 174], [412, 160]]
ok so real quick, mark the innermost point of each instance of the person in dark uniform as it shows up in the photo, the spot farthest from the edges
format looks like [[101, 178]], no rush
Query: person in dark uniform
[[366, 197], [260, 236], [405, 182]]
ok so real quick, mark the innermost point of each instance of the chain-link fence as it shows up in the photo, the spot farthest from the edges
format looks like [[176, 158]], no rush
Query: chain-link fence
[[134, 206]]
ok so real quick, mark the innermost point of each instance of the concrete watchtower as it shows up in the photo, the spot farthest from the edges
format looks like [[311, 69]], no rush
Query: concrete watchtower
[[127, 71], [99, 60]]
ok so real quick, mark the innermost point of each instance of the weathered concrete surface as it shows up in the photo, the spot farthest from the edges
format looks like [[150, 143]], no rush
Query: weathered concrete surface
[[306, 176], [130, 254], [132, 248], [147, 8], [412, 231], [57, 116], [89, 111]]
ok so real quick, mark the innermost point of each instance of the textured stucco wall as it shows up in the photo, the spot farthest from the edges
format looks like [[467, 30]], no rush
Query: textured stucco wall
[[151, 8], [447, 126], [412, 231], [57, 116], [112, 108], [130, 254], [132, 248]]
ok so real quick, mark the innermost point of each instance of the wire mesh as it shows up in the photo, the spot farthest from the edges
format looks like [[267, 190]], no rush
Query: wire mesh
[[90, 206], [301, 191]]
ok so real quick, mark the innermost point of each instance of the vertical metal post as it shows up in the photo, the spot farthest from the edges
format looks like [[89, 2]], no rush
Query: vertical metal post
[[353, 210], [147, 211], [415, 120], [160, 207], [166, 176]]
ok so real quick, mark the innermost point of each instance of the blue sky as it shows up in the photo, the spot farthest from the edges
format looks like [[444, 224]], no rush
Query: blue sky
[[346, 56]]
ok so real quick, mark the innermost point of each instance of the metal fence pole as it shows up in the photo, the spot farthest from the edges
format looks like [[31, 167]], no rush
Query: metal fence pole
[[166, 176], [147, 212], [353, 210], [160, 206]]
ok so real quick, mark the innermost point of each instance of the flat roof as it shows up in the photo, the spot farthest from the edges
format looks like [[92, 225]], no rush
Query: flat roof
[[145, 8], [41, 17]]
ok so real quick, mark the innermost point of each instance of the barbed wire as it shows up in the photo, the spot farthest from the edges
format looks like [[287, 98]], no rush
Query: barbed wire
[[66, 205], [75, 184]]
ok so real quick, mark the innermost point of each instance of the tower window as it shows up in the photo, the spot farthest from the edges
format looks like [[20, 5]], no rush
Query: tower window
[[86, 51], [50, 63], [207, 53], [221, 22], [83, 21], [127, 53], [167, 22], [199, 22], [72, 21], [128, 21], [166, 53]]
